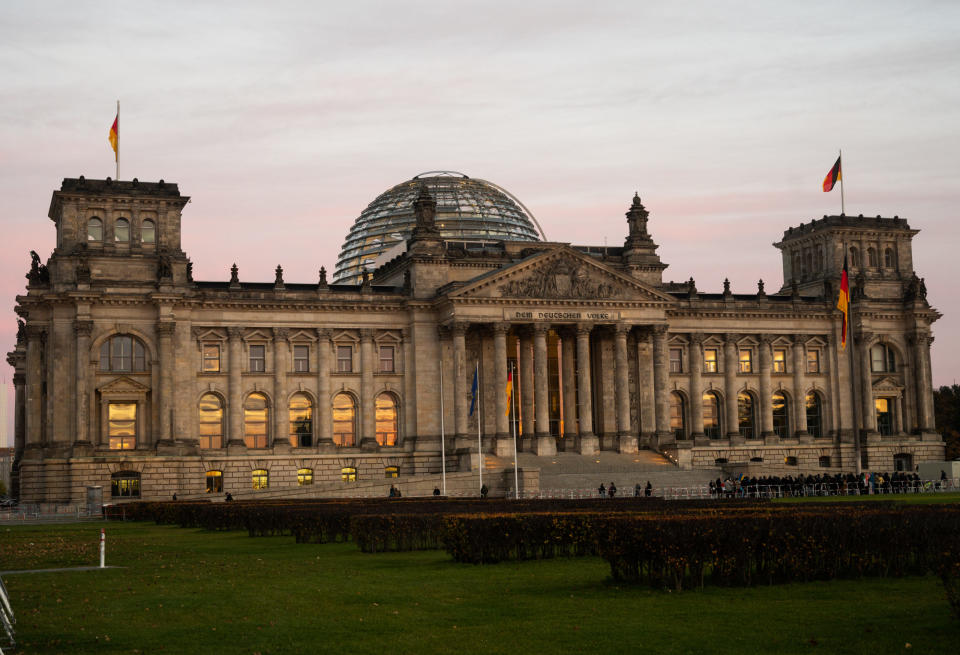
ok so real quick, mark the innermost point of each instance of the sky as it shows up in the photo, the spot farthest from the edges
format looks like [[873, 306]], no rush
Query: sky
[[283, 120]]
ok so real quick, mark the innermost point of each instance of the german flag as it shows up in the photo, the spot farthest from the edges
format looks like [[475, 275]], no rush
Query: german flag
[[843, 302], [832, 177], [115, 136], [509, 389]]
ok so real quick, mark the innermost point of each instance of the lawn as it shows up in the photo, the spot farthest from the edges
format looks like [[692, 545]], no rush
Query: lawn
[[189, 591]]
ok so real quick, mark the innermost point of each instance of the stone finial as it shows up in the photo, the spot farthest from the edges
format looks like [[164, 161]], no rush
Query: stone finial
[[726, 287], [234, 277], [323, 278], [425, 209], [760, 292], [691, 288], [189, 270], [637, 217], [278, 282], [365, 284]]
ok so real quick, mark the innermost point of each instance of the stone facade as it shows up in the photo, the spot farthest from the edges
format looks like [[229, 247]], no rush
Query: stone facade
[[132, 376]]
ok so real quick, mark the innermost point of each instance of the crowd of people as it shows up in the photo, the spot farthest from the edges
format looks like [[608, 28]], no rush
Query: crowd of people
[[822, 485]]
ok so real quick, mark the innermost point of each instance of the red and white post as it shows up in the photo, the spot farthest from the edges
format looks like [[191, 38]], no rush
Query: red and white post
[[103, 547]]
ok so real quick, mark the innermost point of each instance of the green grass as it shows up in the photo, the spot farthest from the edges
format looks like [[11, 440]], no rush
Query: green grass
[[188, 591], [907, 499]]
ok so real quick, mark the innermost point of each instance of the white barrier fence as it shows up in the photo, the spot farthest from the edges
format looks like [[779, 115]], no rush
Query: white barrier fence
[[7, 619]]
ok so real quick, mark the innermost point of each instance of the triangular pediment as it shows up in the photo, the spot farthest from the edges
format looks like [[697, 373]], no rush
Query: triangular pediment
[[123, 385], [560, 273], [886, 384]]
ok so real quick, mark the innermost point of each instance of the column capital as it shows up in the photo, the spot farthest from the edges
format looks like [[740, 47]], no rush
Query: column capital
[[324, 333], [459, 328], [863, 338], [281, 334], [500, 327], [234, 332], [731, 338], [622, 329], [541, 329], [696, 338], [584, 329], [405, 333], [36, 331], [766, 339], [919, 338], [444, 332], [19, 379], [366, 335], [658, 331], [83, 327], [166, 328], [799, 339]]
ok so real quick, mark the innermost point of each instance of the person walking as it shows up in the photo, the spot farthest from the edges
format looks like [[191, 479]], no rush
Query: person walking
[[612, 491], [602, 490]]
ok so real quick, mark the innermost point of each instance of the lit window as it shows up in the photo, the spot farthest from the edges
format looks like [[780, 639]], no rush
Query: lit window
[[709, 360], [386, 359], [884, 416], [125, 484], [348, 474], [882, 359], [123, 353], [260, 479], [676, 360], [122, 425], [745, 415], [94, 229], [121, 230], [814, 420], [211, 358], [790, 460], [746, 361], [781, 424], [391, 472], [779, 360], [148, 232], [211, 421], [301, 421], [344, 420], [711, 415], [344, 359], [304, 477], [255, 417], [676, 415], [214, 481], [258, 359], [386, 420], [301, 359], [813, 361]]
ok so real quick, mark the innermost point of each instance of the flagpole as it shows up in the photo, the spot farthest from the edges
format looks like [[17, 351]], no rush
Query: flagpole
[[853, 371], [843, 207], [513, 429], [479, 423], [118, 141], [443, 447]]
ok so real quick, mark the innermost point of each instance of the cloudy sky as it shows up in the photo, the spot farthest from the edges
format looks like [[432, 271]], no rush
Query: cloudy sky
[[282, 120]]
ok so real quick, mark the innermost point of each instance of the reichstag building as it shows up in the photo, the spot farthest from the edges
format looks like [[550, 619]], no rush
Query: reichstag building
[[133, 377]]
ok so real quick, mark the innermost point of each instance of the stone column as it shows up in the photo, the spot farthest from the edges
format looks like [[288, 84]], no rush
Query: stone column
[[235, 388], [34, 387], [503, 443], [799, 388], [568, 353], [409, 405], [898, 415], [281, 413], [368, 437], [766, 391], [83, 328], [695, 361], [924, 385], [19, 429], [626, 438], [526, 388], [869, 421], [661, 390], [461, 387], [324, 401], [165, 332], [545, 444], [730, 365], [588, 441]]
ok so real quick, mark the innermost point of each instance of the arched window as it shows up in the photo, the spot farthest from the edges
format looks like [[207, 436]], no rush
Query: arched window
[[814, 415], [676, 415], [304, 477], [745, 415], [94, 229], [301, 421], [348, 474], [854, 257], [344, 420], [888, 260], [260, 478], [781, 424], [121, 230], [882, 359], [256, 415], [211, 421], [148, 232], [871, 258], [123, 353], [387, 419], [214, 481], [711, 415], [125, 484]]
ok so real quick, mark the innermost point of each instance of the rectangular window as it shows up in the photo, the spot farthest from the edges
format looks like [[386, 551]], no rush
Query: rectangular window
[[122, 425], [258, 359], [301, 359], [779, 360], [813, 361], [386, 359], [211, 358], [746, 361], [344, 359], [676, 360], [709, 360]]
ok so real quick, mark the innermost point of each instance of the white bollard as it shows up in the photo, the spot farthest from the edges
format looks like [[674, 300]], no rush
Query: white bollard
[[103, 547]]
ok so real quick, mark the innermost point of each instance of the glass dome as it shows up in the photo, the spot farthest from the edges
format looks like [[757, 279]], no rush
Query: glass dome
[[467, 208]]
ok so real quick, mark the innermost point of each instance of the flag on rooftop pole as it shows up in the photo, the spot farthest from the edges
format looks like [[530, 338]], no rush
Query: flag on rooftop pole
[[115, 138], [843, 301], [473, 390], [835, 175]]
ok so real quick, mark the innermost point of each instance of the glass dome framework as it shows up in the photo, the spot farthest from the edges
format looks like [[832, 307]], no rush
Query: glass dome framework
[[467, 209]]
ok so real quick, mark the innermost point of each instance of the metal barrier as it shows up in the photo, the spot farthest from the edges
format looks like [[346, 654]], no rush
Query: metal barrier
[[7, 619]]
